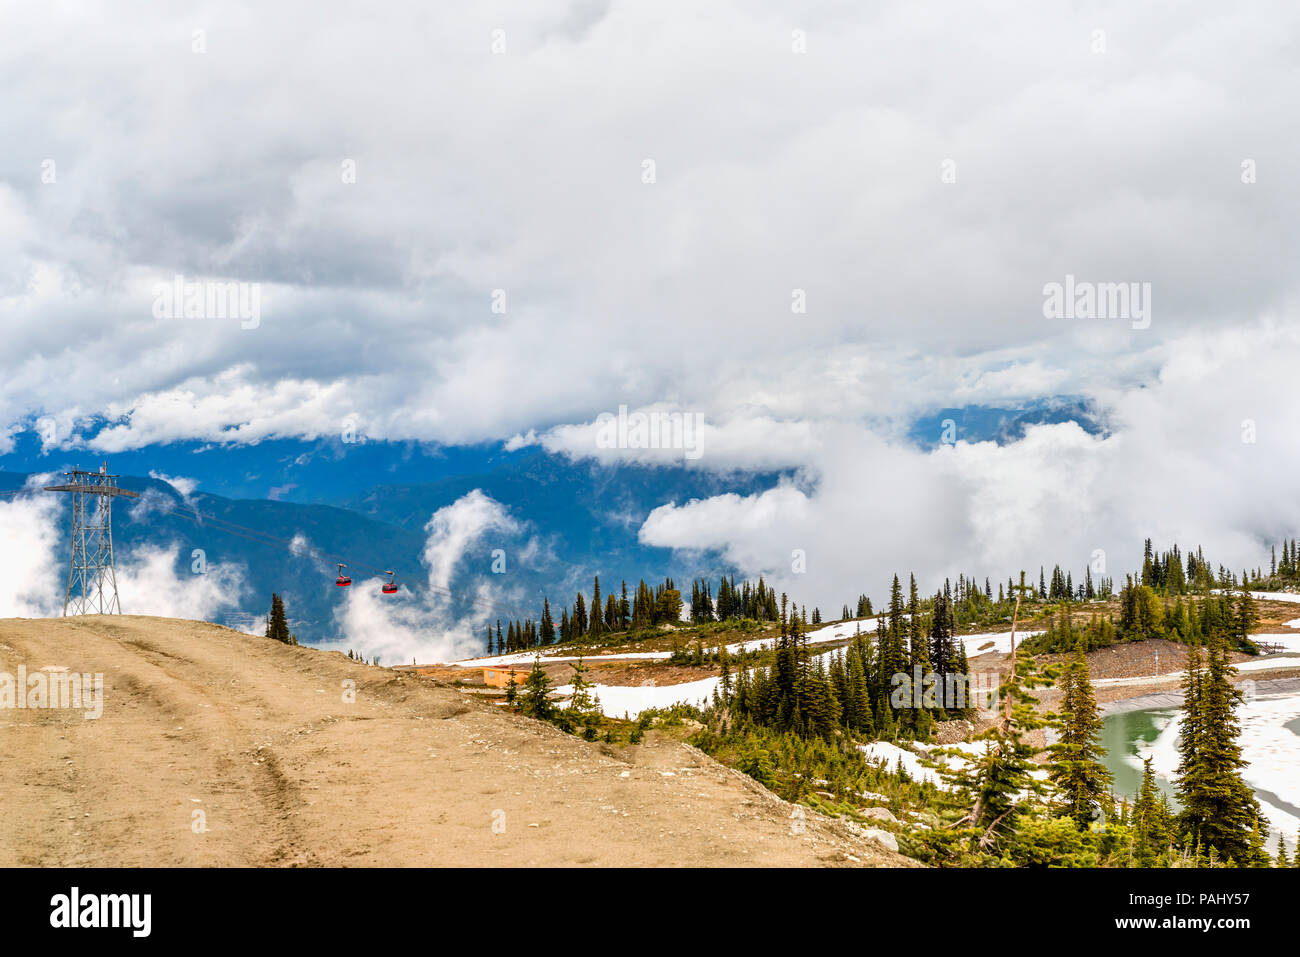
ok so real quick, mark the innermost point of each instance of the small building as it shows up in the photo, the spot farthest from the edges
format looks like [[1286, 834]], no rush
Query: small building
[[500, 676]]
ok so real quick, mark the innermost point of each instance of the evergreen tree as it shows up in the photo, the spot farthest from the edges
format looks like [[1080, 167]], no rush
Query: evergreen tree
[[581, 701], [1077, 769], [578, 623], [857, 700], [547, 633], [1151, 822], [596, 625], [537, 689], [1245, 620], [1219, 809], [999, 781], [277, 626]]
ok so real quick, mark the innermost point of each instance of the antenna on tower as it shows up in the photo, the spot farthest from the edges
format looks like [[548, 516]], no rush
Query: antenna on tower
[[92, 576]]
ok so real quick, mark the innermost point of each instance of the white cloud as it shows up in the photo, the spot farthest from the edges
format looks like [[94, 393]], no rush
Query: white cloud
[[33, 580], [746, 440], [1174, 468], [30, 582], [426, 626], [775, 172], [455, 527], [185, 487], [148, 584]]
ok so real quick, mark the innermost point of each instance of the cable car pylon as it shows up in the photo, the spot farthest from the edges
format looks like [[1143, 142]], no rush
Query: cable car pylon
[[92, 574]]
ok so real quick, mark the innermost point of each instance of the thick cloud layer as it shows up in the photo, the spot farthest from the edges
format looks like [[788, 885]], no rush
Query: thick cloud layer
[[801, 149], [803, 225], [1207, 454]]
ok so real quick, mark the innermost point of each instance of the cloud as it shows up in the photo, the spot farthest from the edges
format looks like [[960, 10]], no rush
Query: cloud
[[148, 584], [431, 625], [799, 273], [185, 487], [301, 545], [33, 579], [774, 174], [1203, 456], [662, 435], [31, 585], [455, 527]]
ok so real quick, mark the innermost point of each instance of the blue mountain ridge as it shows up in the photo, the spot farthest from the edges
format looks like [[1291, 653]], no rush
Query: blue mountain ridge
[[368, 503], [585, 519]]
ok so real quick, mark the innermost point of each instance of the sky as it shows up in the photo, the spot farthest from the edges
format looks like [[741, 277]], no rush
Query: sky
[[803, 225]]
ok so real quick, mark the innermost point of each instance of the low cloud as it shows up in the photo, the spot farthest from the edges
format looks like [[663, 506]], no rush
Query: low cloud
[[185, 487], [148, 584], [431, 625], [1205, 455], [33, 579], [30, 582]]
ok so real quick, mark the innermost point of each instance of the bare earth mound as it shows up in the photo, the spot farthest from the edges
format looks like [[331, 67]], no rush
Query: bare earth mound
[[258, 736]]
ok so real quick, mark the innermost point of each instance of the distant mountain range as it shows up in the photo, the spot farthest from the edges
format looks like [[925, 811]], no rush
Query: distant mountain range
[[369, 503], [584, 518]]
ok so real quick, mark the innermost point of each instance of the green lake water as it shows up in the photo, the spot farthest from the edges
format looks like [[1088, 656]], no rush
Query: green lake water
[[1121, 736]]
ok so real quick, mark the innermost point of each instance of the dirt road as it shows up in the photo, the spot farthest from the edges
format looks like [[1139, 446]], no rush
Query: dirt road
[[258, 737]]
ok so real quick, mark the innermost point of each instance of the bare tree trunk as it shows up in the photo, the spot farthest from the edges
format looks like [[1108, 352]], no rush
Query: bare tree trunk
[[1005, 725]]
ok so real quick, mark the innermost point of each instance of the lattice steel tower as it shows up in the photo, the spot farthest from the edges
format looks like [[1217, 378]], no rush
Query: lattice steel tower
[[92, 576]]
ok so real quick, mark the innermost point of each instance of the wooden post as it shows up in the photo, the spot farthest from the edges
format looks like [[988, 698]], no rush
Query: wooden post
[[1015, 618]]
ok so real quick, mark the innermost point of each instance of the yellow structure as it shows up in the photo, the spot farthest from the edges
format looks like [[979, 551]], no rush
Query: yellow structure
[[500, 677]]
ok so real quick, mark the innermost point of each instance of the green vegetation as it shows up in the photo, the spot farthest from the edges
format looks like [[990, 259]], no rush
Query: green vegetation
[[1077, 769], [277, 625], [799, 729], [799, 722], [1220, 813]]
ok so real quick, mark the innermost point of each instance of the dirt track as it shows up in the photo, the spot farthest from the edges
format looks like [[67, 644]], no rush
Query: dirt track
[[257, 736]]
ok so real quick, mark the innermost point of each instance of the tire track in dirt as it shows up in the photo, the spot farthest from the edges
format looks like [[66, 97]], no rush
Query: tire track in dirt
[[303, 757], [188, 730]]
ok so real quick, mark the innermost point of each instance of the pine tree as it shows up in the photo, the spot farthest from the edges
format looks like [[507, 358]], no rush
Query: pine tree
[[537, 688], [578, 623], [893, 646], [1000, 779], [1219, 808], [596, 626], [1245, 619], [1077, 769], [277, 626], [547, 633], [857, 704], [1151, 822], [580, 701]]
